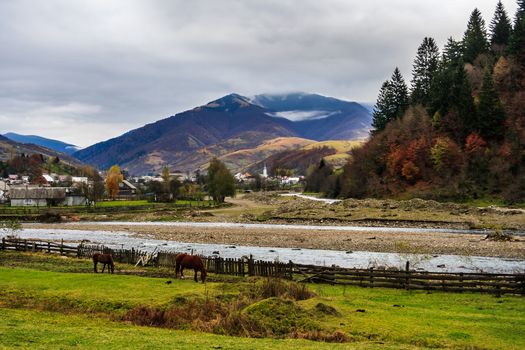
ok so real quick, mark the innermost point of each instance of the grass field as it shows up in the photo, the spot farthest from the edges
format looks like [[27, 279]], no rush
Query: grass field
[[54, 302]]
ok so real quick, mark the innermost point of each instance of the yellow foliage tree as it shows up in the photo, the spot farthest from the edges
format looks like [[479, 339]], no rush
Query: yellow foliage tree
[[113, 179]]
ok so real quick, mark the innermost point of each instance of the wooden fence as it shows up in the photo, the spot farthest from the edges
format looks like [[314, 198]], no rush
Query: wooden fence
[[370, 278], [34, 211]]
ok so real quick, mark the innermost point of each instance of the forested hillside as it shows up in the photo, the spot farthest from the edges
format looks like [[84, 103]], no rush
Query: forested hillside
[[458, 130]]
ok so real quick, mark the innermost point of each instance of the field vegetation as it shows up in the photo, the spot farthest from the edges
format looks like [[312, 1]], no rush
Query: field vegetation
[[56, 302]]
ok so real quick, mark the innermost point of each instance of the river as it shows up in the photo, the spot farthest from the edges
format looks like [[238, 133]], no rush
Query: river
[[352, 259]]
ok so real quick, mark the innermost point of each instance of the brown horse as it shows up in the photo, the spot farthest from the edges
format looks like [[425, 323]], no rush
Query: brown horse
[[186, 261], [105, 259]]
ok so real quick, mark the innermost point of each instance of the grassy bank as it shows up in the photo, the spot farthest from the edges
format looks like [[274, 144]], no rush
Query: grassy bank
[[38, 284]]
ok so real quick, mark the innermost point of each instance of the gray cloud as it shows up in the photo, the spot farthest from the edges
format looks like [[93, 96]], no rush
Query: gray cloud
[[85, 71]]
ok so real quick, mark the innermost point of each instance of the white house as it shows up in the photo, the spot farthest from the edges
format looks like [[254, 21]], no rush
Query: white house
[[4, 189]]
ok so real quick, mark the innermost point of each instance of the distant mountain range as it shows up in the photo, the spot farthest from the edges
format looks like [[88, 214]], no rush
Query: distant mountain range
[[10, 148], [56, 145], [188, 140]]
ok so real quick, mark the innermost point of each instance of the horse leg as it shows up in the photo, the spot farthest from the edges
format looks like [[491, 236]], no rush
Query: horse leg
[[195, 277], [103, 267], [95, 268], [112, 268], [181, 272]]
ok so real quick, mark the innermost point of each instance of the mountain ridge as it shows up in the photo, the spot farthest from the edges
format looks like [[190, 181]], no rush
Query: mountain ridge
[[53, 144]]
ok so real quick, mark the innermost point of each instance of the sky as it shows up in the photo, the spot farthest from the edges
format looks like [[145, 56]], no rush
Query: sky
[[84, 71]]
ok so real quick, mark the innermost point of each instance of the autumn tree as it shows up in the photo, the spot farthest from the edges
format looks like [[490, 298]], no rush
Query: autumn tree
[[113, 178], [220, 182], [475, 40], [425, 68], [500, 29]]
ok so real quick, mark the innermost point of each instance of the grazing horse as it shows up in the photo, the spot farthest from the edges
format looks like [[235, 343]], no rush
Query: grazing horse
[[190, 262], [178, 259], [105, 259]]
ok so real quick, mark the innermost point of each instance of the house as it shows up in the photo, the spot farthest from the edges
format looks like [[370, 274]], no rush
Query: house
[[4, 189], [49, 179], [32, 196], [126, 188], [79, 180], [290, 180], [26, 196]]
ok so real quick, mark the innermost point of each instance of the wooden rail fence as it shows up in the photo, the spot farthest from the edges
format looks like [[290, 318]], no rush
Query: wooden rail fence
[[370, 278]]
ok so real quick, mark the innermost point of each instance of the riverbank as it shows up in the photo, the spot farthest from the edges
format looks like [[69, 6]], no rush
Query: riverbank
[[373, 240]]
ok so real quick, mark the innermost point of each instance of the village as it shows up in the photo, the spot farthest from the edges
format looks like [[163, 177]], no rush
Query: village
[[53, 190]]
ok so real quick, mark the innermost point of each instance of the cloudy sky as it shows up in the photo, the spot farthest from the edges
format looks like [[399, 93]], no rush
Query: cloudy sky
[[83, 71]]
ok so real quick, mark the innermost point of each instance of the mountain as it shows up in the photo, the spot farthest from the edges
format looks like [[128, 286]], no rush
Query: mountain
[[10, 148], [56, 145], [188, 140], [319, 117]]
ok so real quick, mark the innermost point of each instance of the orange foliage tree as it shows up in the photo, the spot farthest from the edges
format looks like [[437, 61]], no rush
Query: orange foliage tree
[[113, 178]]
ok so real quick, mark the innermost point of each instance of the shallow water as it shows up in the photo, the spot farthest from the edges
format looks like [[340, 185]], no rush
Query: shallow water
[[357, 259], [282, 226]]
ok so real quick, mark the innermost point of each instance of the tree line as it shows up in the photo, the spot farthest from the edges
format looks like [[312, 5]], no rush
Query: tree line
[[458, 130]]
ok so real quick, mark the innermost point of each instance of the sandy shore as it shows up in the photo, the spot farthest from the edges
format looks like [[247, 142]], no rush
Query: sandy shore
[[402, 242]]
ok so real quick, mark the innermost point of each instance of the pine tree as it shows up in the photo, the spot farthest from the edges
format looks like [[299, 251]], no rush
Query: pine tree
[[392, 101], [400, 91], [500, 29], [461, 100], [425, 67], [517, 38], [382, 112], [443, 80], [490, 111], [452, 53], [475, 38]]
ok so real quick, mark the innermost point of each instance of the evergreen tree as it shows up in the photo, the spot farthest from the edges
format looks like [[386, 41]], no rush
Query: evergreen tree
[[382, 110], [452, 53], [461, 100], [517, 38], [392, 101], [400, 91], [490, 111], [475, 38], [443, 81], [500, 29], [425, 68]]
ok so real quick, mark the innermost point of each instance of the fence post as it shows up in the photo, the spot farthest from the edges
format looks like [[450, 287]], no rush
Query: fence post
[[49, 247], [251, 271], [290, 264], [371, 277], [3, 243], [407, 271], [61, 247], [461, 281]]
